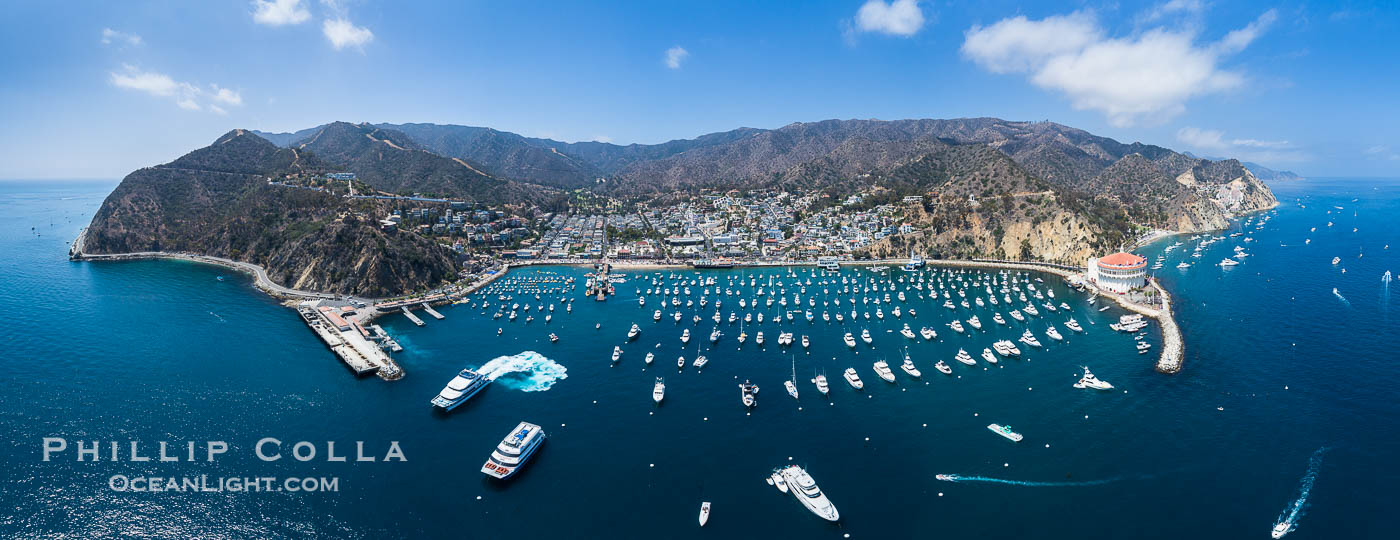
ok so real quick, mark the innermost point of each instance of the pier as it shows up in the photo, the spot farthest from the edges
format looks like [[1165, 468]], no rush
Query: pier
[[348, 340], [431, 311], [411, 316]]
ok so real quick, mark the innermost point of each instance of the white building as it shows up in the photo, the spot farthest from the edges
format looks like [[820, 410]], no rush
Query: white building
[[1119, 272]]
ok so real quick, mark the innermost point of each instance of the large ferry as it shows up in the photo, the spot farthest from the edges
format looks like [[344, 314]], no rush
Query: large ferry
[[461, 388], [804, 488], [517, 448]]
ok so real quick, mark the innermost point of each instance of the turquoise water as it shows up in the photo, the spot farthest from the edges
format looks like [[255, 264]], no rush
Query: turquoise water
[[161, 350]]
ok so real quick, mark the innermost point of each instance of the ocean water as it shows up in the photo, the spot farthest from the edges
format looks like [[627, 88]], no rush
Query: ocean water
[[163, 351]]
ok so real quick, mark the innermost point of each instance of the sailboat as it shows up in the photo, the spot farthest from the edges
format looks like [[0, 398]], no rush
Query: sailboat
[[791, 384]]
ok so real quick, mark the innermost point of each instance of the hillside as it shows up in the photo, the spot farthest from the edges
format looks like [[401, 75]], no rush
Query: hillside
[[217, 201]]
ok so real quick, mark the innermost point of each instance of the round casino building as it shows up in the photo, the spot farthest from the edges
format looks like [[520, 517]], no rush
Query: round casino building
[[1120, 272]]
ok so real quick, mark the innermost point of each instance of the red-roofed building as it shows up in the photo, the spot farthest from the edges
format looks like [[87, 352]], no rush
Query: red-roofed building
[[1120, 272]]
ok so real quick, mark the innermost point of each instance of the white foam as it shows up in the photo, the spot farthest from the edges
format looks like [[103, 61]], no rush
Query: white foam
[[528, 371]]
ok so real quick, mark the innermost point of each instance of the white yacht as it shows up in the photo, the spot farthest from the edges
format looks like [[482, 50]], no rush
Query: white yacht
[[791, 388], [975, 322], [996, 317], [617, 354], [805, 489], [1016, 314], [882, 368], [1090, 381], [956, 325], [1005, 431], [1006, 348], [943, 368], [989, 356], [1229, 262], [865, 336], [658, 392], [806, 342], [649, 358], [1053, 333], [714, 335], [685, 336], [853, 378], [517, 448], [1074, 325], [965, 358], [461, 388], [748, 393], [758, 338], [908, 367], [1029, 339], [928, 333], [1282, 528], [656, 315], [906, 332], [822, 385], [700, 361], [634, 332], [850, 340]]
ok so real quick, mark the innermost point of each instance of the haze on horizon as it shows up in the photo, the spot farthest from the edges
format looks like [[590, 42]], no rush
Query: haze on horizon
[[102, 89]]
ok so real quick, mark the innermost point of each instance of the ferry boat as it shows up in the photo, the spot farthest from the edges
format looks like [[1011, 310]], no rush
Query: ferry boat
[[1005, 431], [516, 449], [805, 490], [658, 392], [853, 378], [458, 390]]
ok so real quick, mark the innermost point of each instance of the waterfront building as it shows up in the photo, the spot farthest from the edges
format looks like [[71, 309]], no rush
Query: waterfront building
[[1120, 272]]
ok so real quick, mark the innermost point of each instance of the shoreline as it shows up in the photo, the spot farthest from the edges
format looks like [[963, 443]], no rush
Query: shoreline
[[1169, 362]]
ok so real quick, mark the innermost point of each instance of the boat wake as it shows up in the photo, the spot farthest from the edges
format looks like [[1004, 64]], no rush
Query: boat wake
[[1340, 297], [1294, 511], [528, 371], [987, 480]]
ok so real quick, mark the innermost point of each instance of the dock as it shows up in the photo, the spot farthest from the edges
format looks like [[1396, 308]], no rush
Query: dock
[[411, 316], [432, 311], [348, 342]]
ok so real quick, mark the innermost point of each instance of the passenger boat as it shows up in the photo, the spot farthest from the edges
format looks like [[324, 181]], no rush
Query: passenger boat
[[514, 451]]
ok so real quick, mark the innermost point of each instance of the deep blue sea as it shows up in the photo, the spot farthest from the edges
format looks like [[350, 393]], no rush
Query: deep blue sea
[[1277, 367]]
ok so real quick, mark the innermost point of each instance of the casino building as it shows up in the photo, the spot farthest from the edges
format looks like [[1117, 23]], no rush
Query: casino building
[[1120, 272]]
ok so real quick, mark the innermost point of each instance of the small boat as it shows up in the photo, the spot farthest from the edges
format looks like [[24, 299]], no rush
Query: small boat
[[1282, 528], [943, 368], [882, 368], [1090, 381], [1005, 431], [649, 358], [928, 333], [853, 378], [908, 367], [700, 361], [704, 513], [822, 385], [658, 392]]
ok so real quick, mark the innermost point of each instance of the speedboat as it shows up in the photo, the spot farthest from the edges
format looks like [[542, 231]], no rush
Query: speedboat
[[853, 378], [928, 333], [1090, 381], [649, 358], [516, 449], [458, 390], [617, 354], [747, 393], [906, 332], [882, 368], [658, 392], [1284, 527], [943, 368], [805, 490], [704, 513]]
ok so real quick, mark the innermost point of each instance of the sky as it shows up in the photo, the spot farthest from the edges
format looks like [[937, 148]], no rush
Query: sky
[[98, 89]]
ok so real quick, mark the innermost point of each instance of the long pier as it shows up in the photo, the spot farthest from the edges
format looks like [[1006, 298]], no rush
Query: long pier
[[431, 311], [411, 316]]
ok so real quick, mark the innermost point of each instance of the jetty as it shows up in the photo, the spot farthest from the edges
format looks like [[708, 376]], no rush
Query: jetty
[[344, 335], [431, 311], [411, 316]]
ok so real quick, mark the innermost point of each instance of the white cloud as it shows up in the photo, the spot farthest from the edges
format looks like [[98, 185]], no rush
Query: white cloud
[[218, 110], [342, 33], [1173, 7], [110, 36], [1213, 142], [186, 96], [675, 55], [1147, 76], [279, 12], [226, 96], [895, 18]]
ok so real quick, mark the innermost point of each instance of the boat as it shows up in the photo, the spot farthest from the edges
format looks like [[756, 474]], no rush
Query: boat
[[617, 354], [714, 335], [865, 336], [748, 393], [460, 389], [928, 333], [553, 338], [649, 358], [1074, 325], [908, 367], [989, 356], [806, 342], [1006, 348], [805, 490], [975, 322], [658, 392], [1282, 528], [1005, 431], [776, 480], [943, 368], [882, 368], [850, 340], [1053, 333], [965, 358], [1229, 262], [853, 378], [514, 451], [704, 513], [1016, 314], [906, 332], [1029, 339], [758, 338], [685, 336], [1090, 381], [700, 361], [822, 386], [634, 332]]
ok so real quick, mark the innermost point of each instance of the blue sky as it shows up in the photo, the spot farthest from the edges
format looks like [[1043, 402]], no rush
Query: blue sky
[[95, 90]]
